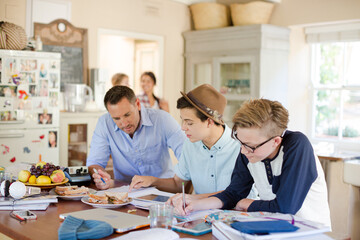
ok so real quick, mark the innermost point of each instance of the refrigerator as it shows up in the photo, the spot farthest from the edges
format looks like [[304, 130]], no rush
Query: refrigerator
[[29, 107]]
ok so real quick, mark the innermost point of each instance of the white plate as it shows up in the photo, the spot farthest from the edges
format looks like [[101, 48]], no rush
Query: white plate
[[72, 197], [86, 201]]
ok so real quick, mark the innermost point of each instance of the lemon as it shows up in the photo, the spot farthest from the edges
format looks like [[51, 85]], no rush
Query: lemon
[[32, 179], [43, 180]]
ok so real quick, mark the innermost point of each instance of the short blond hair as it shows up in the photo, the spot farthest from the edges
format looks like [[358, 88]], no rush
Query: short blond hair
[[117, 79], [265, 114]]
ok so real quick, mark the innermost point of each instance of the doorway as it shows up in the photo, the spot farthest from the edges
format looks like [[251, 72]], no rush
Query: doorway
[[131, 53]]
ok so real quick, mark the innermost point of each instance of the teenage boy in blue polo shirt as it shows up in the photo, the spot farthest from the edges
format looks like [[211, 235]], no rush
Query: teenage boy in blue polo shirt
[[281, 163], [209, 153]]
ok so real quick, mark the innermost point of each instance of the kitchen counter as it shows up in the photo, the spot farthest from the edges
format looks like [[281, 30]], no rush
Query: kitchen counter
[[339, 156], [344, 198]]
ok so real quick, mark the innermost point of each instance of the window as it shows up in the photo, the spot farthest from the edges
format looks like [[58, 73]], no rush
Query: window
[[336, 91]]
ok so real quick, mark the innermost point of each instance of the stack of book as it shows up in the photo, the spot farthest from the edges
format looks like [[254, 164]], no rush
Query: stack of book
[[28, 203], [306, 229]]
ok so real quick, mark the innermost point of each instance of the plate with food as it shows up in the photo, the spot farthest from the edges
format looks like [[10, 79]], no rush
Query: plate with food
[[107, 199], [71, 192]]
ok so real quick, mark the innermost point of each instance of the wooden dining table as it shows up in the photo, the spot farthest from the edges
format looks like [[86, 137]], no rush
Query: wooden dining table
[[48, 222]]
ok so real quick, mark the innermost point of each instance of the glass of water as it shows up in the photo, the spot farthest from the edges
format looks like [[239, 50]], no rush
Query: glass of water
[[161, 215]]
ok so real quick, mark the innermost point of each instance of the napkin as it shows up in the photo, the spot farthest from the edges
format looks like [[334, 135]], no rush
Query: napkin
[[76, 228], [264, 227]]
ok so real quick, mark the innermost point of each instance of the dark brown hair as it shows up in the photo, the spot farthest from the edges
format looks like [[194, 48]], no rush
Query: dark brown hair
[[117, 93], [151, 75], [183, 103]]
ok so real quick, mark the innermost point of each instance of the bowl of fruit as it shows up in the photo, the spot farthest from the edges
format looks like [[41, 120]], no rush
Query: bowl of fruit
[[43, 175]]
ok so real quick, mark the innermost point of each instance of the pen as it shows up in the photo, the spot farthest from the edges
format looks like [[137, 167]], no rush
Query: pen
[[95, 170], [183, 194]]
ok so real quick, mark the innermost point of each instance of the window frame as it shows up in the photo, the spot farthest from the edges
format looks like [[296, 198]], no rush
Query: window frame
[[339, 141]]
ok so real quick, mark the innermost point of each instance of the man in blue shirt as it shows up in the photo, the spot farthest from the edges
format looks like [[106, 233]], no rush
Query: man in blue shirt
[[209, 154], [137, 139]]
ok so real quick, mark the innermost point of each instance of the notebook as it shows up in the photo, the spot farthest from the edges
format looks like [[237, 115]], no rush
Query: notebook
[[121, 222]]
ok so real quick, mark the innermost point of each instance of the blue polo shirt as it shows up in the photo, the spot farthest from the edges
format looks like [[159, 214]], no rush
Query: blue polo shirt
[[209, 169], [147, 153]]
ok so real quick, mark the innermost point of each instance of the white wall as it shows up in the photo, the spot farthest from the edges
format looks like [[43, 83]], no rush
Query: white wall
[[299, 102]]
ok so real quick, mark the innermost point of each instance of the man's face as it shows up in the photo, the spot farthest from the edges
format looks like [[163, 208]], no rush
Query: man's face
[[125, 115], [255, 138], [194, 128]]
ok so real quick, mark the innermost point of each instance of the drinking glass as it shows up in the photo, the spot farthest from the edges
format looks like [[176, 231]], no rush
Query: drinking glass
[[161, 215]]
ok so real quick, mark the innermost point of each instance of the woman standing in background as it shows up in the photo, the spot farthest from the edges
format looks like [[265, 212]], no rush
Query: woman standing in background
[[120, 79], [148, 98]]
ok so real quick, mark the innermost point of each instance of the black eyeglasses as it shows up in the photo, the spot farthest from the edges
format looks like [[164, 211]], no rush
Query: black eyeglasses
[[252, 149]]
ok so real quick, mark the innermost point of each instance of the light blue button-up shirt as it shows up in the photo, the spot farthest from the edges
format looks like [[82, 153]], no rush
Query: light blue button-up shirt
[[209, 170], [146, 153]]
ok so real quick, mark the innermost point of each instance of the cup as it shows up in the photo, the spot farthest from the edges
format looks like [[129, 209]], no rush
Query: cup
[[161, 215]]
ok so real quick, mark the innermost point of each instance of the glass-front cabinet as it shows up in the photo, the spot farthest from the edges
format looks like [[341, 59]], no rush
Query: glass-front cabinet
[[202, 74], [77, 144], [241, 62], [76, 131], [233, 78]]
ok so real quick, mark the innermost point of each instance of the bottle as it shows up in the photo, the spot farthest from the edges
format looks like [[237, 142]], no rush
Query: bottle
[[38, 45]]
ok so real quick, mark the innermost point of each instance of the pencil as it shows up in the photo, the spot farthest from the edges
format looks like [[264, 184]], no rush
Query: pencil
[[95, 170], [183, 194]]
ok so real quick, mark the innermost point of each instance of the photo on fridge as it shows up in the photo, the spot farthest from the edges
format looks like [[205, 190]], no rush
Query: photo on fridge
[[44, 88], [53, 99], [44, 118], [8, 91], [28, 77], [7, 116], [28, 64], [44, 66], [54, 80], [33, 90], [52, 139]]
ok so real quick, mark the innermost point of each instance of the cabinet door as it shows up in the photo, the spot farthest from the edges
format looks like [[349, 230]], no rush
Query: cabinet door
[[198, 71], [77, 144], [234, 76]]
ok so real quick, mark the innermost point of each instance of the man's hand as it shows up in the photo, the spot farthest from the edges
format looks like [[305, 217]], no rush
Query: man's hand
[[109, 183], [141, 181], [244, 204]]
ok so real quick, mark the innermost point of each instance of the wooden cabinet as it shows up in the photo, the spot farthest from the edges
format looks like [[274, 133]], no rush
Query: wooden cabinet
[[76, 131], [241, 62]]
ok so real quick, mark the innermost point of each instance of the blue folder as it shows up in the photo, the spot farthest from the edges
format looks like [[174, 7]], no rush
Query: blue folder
[[264, 227]]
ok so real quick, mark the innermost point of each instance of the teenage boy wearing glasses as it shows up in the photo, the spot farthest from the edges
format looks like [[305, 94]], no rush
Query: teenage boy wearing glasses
[[281, 163], [209, 153]]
